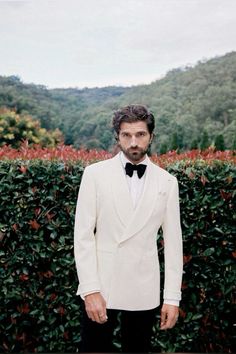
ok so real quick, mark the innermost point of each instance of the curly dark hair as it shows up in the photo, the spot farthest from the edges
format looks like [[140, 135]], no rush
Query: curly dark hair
[[133, 113]]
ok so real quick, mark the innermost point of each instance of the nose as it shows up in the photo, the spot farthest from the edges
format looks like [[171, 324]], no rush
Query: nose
[[133, 142]]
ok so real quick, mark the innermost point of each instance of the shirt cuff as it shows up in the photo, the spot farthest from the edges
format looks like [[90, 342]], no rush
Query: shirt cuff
[[88, 293], [171, 302]]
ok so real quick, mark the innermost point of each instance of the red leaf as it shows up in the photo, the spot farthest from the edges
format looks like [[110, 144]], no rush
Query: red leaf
[[24, 277], [225, 195], [47, 274], [191, 175], [34, 224], [53, 297], [50, 216], [61, 310], [23, 308], [66, 335], [37, 211], [34, 189], [187, 259], [23, 169], [15, 227], [204, 180], [182, 313]]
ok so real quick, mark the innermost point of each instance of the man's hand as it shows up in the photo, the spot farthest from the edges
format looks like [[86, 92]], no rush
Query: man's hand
[[95, 307], [169, 316]]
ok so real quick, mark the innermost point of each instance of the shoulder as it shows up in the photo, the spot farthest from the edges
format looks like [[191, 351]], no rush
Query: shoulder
[[100, 166], [162, 173]]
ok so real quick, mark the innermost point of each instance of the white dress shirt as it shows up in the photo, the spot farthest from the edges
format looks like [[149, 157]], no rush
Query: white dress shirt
[[135, 184]]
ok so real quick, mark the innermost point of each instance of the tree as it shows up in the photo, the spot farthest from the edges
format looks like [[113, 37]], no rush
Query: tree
[[186, 101], [234, 144], [204, 141], [174, 142], [219, 142], [194, 144], [15, 128], [163, 148]]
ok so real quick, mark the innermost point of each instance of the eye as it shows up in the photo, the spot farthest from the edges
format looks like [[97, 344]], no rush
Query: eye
[[141, 134], [125, 135]]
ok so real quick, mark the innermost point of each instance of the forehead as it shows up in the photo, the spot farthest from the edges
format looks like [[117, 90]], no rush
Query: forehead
[[133, 127]]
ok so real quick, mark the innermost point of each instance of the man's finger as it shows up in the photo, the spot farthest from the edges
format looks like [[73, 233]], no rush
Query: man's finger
[[163, 318], [170, 322]]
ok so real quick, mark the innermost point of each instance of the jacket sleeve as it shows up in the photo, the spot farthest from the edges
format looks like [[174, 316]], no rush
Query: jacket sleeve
[[173, 248], [84, 237]]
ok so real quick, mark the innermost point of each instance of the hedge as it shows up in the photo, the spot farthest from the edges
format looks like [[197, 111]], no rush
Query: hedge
[[39, 309]]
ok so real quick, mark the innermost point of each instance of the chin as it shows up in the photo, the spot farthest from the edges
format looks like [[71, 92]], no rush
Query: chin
[[135, 157]]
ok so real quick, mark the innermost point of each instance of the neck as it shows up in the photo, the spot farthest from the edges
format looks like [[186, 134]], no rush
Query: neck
[[135, 162]]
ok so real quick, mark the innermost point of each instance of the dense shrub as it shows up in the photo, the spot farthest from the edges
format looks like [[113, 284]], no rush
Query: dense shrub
[[39, 309], [207, 199]]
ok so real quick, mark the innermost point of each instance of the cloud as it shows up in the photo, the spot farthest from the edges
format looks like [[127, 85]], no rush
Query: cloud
[[99, 42]]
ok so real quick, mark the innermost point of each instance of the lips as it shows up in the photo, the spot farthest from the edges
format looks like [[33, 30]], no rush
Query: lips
[[134, 150]]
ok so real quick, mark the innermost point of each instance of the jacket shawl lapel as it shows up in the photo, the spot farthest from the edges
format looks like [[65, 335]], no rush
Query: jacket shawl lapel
[[132, 218]]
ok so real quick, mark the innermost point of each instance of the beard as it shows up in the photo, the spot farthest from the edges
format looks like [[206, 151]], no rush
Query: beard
[[134, 154]]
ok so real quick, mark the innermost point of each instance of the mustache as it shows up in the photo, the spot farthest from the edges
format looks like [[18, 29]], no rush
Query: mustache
[[134, 148]]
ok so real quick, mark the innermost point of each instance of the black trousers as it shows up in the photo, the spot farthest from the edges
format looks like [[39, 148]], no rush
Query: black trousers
[[135, 332]]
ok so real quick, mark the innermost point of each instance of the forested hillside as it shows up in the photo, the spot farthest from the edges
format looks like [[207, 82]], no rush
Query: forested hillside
[[193, 106]]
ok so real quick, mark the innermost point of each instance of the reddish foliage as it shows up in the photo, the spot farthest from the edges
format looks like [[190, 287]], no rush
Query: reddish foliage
[[23, 169], [66, 335], [184, 286], [208, 155], [53, 296], [182, 313], [61, 310], [47, 274], [34, 224], [187, 259], [37, 211], [50, 216], [23, 308], [204, 180], [68, 153], [24, 277], [15, 227], [61, 152], [225, 195]]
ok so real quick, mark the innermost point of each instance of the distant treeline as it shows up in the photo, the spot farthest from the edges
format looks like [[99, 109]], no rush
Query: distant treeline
[[194, 107]]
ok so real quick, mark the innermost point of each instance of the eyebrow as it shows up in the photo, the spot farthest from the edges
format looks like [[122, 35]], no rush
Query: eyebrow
[[127, 132]]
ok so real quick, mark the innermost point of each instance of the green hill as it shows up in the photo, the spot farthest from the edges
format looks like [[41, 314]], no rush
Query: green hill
[[193, 106]]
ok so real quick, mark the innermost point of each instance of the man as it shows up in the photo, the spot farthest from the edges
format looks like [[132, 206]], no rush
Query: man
[[121, 205]]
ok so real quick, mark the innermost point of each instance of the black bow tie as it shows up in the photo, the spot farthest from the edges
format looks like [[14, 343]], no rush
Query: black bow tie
[[130, 168]]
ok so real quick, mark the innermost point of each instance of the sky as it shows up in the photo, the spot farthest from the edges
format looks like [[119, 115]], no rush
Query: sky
[[97, 43]]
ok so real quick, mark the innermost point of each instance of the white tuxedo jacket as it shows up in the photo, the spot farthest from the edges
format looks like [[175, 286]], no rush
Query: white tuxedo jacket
[[115, 244]]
